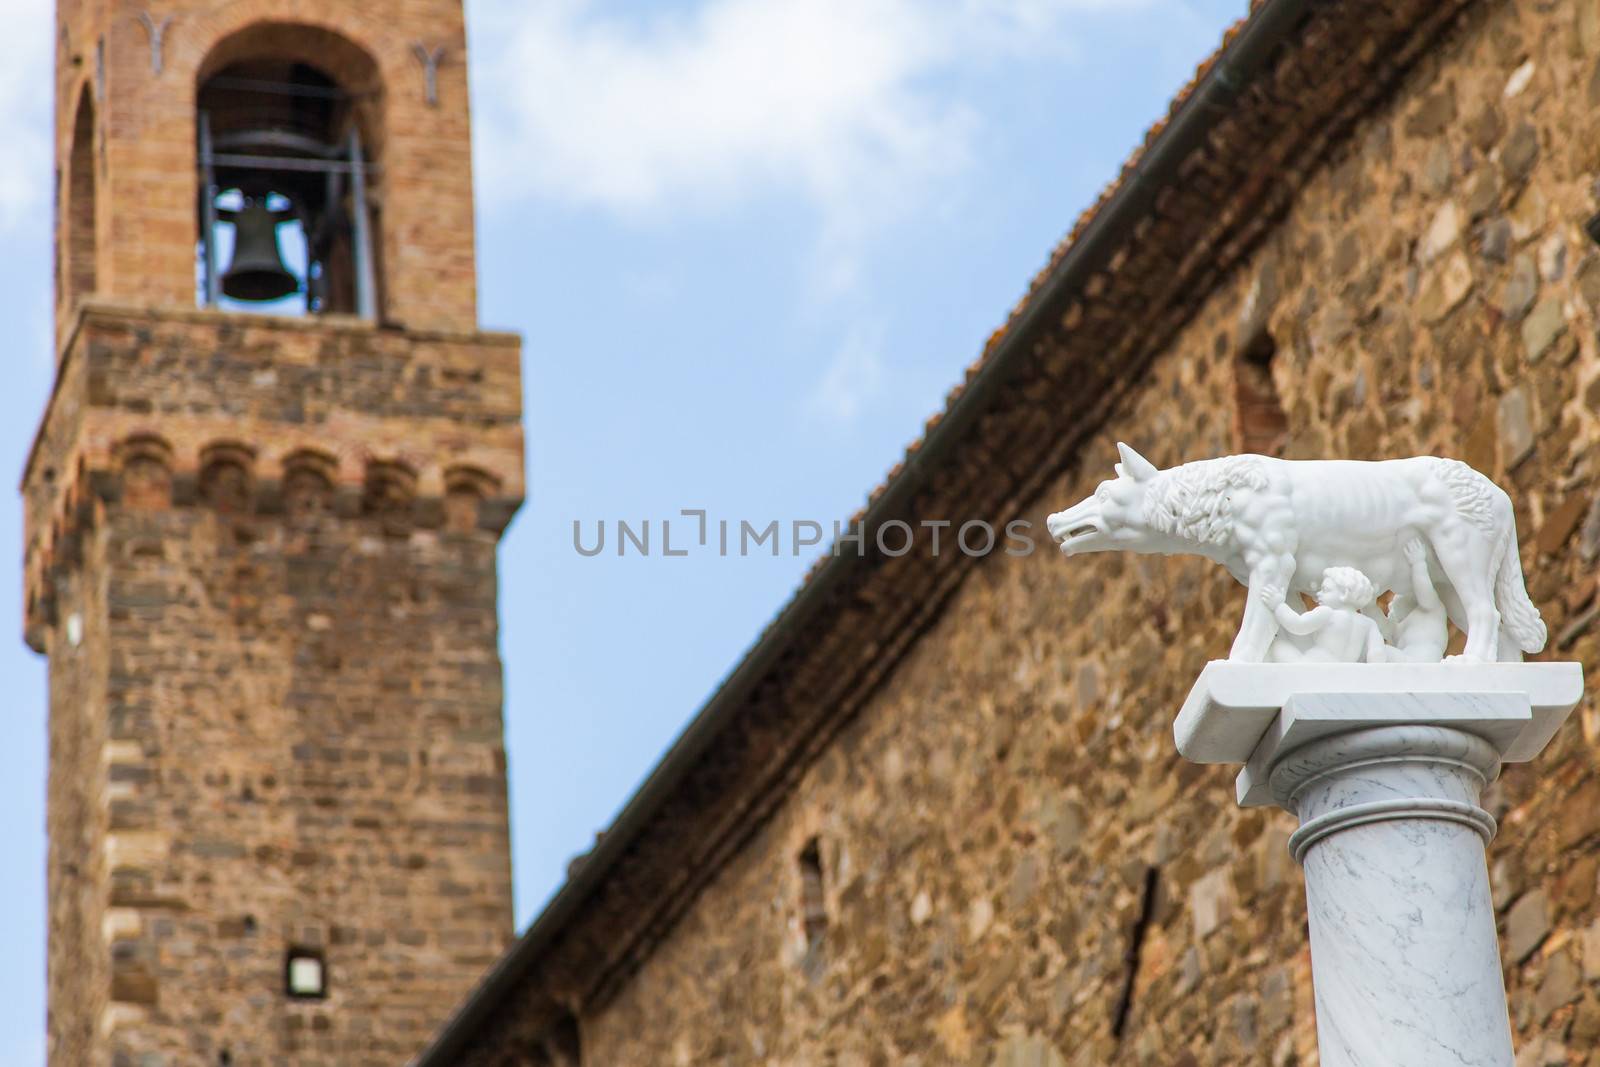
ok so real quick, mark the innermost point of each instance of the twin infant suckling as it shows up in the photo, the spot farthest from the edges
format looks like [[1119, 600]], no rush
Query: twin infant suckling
[[1341, 630]]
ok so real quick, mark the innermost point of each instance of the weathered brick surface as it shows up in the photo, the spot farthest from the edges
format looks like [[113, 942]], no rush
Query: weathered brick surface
[[299, 744], [260, 553], [281, 724], [991, 819]]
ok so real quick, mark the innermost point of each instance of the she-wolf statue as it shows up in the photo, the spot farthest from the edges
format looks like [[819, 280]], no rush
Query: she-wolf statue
[[1279, 525]]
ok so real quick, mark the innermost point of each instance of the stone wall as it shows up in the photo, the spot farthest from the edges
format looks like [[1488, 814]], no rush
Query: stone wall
[[1015, 866], [262, 560]]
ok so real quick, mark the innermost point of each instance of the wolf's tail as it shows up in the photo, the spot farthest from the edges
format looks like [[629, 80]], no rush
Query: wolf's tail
[[1519, 619], [1486, 506]]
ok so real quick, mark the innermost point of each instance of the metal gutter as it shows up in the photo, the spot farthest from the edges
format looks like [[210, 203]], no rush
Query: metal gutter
[[1232, 70]]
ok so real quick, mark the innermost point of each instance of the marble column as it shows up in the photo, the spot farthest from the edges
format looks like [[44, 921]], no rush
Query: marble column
[[1384, 765], [1404, 959]]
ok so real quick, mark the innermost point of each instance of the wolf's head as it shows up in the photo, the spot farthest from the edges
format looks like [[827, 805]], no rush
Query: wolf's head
[[1114, 517]]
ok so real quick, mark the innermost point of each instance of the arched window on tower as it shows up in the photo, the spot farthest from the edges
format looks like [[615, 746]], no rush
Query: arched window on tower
[[286, 125], [78, 250]]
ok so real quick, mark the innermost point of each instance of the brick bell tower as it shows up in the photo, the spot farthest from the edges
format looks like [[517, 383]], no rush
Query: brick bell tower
[[262, 514]]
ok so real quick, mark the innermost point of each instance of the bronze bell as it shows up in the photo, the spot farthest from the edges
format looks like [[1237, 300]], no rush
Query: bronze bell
[[257, 272]]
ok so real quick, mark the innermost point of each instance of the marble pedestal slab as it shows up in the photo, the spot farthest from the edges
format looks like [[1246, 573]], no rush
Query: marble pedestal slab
[[1384, 765]]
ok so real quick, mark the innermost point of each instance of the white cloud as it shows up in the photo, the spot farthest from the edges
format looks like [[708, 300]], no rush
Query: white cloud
[[853, 378], [837, 101], [25, 108], [852, 110]]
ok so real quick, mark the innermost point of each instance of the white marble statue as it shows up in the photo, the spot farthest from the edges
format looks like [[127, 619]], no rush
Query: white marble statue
[[1436, 533]]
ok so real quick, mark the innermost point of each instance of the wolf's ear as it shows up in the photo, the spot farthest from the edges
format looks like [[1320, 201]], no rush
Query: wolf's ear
[[1133, 465]]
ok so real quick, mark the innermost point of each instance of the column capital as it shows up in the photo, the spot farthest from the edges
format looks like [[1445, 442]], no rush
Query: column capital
[[1315, 734], [1234, 708], [1379, 772]]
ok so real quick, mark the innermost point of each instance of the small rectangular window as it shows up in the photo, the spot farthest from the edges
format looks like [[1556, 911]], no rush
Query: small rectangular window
[[563, 1045], [813, 902], [1260, 425], [305, 974]]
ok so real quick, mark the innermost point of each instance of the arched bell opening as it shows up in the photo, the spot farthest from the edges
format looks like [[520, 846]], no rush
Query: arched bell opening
[[77, 254], [288, 143]]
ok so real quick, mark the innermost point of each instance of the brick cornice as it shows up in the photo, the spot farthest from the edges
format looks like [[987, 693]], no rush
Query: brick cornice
[[184, 386]]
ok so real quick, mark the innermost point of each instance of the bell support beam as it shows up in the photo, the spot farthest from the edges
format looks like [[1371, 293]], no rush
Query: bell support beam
[[366, 277], [208, 209]]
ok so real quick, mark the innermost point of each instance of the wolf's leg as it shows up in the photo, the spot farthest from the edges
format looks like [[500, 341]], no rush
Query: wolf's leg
[[1466, 557], [1453, 608], [1259, 627]]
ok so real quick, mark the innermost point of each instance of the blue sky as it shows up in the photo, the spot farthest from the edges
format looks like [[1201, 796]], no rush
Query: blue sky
[[750, 245]]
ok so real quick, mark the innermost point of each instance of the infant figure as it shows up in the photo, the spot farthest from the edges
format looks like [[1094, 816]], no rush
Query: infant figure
[[1336, 630], [1418, 626]]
